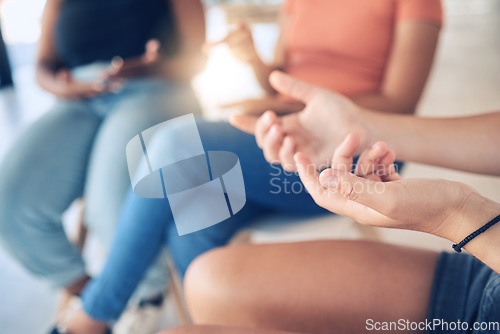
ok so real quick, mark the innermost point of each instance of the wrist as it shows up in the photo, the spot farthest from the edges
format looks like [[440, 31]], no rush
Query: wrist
[[485, 246], [473, 213]]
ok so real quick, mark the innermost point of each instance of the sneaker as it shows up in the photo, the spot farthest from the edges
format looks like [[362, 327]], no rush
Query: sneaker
[[143, 318]]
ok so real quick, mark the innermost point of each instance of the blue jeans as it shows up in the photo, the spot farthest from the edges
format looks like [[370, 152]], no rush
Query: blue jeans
[[146, 225], [77, 149]]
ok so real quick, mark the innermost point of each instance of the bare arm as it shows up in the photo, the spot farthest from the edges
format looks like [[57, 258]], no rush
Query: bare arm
[[47, 61], [407, 69], [262, 70], [242, 46], [50, 74], [190, 18], [376, 195], [463, 143]]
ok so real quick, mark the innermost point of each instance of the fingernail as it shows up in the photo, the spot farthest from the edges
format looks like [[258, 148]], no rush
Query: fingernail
[[331, 181]]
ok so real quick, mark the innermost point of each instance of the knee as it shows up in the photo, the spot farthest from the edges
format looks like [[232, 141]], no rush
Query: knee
[[217, 288]]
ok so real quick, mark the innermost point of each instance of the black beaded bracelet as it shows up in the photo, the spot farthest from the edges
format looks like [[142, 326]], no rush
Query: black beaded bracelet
[[458, 247]]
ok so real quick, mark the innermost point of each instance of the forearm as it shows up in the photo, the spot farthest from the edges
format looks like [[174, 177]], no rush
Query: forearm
[[45, 76], [436, 141], [385, 103], [190, 17], [478, 211], [183, 67]]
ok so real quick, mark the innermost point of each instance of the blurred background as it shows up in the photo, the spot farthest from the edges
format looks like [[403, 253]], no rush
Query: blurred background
[[465, 80]]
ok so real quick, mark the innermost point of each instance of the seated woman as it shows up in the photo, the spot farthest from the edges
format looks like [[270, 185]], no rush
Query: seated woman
[[385, 69], [338, 286], [77, 148]]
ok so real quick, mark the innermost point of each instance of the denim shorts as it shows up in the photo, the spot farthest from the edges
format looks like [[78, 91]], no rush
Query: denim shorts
[[465, 297]]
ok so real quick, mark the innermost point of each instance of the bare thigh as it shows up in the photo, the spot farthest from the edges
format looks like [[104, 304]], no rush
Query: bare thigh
[[217, 330], [310, 287]]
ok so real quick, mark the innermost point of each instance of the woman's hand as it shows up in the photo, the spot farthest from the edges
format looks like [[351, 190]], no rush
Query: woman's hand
[[63, 85], [316, 130], [376, 195], [240, 42], [147, 64]]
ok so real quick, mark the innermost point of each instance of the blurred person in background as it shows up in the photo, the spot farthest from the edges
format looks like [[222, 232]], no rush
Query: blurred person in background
[[117, 68], [378, 53], [362, 49]]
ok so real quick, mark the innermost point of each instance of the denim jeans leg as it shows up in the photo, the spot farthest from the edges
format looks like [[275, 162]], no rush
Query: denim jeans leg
[[41, 175], [141, 104], [138, 241]]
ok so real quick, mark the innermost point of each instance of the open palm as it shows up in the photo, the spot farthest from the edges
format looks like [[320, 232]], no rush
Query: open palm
[[316, 130]]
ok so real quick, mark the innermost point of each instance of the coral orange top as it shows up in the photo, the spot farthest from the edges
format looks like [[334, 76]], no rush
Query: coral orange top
[[343, 45]]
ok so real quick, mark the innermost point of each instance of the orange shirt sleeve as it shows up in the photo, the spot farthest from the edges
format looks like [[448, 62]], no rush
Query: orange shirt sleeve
[[423, 10]]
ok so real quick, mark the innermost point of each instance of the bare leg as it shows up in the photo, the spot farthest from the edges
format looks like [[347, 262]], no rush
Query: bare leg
[[217, 330], [311, 287]]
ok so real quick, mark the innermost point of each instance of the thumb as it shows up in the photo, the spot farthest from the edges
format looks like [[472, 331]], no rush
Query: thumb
[[289, 86], [379, 196], [244, 122]]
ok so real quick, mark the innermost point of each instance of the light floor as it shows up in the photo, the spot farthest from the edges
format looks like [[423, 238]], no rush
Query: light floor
[[466, 79]]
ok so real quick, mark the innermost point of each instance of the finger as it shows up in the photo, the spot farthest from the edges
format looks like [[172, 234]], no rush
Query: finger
[[388, 169], [245, 123], [342, 158], [96, 88], [286, 154], [228, 39], [272, 143], [264, 124], [210, 45], [88, 90], [309, 175], [373, 177], [379, 196], [129, 68], [152, 50], [369, 160], [344, 193], [115, 85], [289, 86], [116, 62]]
